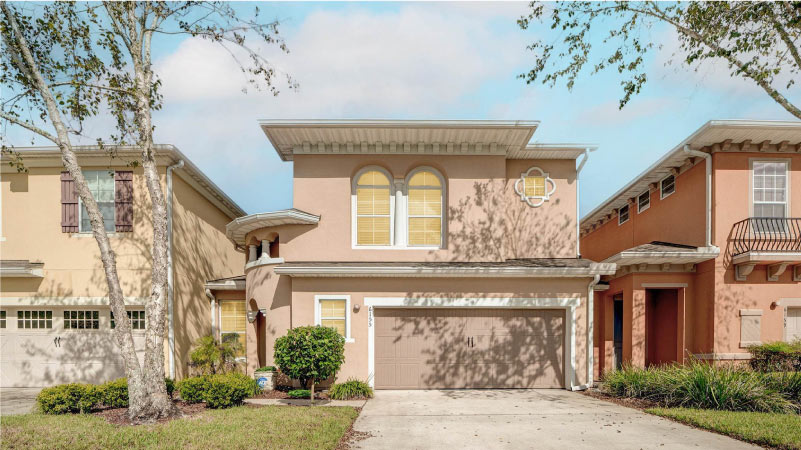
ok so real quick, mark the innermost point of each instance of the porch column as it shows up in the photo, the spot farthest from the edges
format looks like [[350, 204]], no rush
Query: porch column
[[252, 249], [680, 325], [634, 327]]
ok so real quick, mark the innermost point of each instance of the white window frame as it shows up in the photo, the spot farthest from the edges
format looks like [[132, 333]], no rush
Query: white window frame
[[220, 330], [3, 319], [354, 205], [111, 320], [442, 223], [620, 216], [45, 311], [787, 184], [65, 321], [318, 313], [80, 203], [662, 194], [642, 210]]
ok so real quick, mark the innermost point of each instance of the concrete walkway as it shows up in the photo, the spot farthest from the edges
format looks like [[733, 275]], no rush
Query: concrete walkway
[[543, 419], [17, 400]]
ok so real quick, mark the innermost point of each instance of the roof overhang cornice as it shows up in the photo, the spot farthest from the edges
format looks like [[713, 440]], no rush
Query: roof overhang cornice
[[411, 271], [110, 155], [626, 258], [237, 230], [455, 137], [21, 269], [227, 285], [550, 151]]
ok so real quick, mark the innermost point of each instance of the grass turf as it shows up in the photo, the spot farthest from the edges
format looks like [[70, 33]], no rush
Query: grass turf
[[240, 427], [767, 429]]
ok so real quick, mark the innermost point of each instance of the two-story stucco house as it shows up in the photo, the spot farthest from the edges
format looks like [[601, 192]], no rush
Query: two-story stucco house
[[707, 243], [55, 323], [445, 252]]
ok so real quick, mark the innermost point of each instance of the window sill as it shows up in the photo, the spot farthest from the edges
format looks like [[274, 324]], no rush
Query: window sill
[[89, 234], [662, 197], [349, 340], [640, 211], [392, 247]]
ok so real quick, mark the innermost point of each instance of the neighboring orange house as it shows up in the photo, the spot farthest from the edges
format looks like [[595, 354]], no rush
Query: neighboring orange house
[[445, 252], [707, 243]]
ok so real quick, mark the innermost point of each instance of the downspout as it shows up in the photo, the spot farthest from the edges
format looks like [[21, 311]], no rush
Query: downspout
[[708, 158], [170, 281], [578, 213], [213, 303], [590, 337]]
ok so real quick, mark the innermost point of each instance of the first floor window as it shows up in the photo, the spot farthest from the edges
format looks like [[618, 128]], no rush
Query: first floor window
[[81, 320], [333, 312], [233, 324], [35, 319], [136, 317], [623, 215], [101, 185], [2, 319]]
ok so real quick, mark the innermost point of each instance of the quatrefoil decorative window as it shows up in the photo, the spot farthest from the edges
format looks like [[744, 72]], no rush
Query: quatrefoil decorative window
[[535, 187]]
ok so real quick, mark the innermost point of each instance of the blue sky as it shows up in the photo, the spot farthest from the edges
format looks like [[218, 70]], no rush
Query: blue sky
[[424, 61]]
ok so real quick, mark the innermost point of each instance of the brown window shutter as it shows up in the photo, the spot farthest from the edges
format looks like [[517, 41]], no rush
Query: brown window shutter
[[123, 200], [69, 204]]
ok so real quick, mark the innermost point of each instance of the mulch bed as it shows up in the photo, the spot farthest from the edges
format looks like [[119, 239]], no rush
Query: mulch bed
[[280, 393], [636, 403], [119, 416]]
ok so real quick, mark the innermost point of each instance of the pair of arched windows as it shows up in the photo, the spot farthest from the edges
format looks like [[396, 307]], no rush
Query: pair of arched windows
[[377, 206]]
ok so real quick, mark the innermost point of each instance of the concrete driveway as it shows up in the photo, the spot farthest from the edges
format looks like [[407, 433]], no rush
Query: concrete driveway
[[17, 400], [537, 418]]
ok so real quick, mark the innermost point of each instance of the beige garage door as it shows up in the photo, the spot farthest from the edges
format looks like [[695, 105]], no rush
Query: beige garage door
[[479, 348]]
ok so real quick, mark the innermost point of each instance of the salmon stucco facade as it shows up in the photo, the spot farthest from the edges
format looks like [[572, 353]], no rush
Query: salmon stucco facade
[[445, 252], [55, 322], [707, 244]]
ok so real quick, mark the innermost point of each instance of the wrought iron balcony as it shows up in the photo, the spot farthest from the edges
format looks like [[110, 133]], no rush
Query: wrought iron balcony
[[773, 241], [767, 234]]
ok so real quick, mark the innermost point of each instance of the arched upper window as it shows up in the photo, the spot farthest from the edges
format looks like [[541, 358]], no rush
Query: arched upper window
[[424, 189], [373, 208]]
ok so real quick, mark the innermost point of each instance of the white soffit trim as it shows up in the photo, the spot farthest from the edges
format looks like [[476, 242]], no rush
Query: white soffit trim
[[792, 302], [45, 302], [240, 227], [550, 151], [712, 132], [21, 269], [663, 285], [344, 270], [228, 285], [397, 136], [625, 258]]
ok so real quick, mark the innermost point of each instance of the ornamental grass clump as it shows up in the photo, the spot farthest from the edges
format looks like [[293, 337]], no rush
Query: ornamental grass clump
[[351, 390], [701, 385]]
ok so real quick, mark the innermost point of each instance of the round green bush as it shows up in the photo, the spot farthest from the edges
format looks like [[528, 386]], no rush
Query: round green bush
[[68, 398], [310, 354], [192, 390], [226, 390], [351, 389], [299, 393]]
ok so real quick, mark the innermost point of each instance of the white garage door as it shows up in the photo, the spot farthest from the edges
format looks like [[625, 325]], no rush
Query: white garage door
[[793, 324], [44, 346]]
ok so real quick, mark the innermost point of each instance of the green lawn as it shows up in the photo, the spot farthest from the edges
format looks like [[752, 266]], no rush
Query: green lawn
[[240, 427], [769, 429]]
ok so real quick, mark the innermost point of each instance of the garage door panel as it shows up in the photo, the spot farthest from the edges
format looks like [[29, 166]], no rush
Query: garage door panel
[[478, 348]]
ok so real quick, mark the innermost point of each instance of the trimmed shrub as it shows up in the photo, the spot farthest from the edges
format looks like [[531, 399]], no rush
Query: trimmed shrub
[[351, 389], [310, 354], [699, 385], [299, 393], [211, 357], [267, 369], [776, 357], [226, 390], [114, 393], [68, 398], [193, 390]]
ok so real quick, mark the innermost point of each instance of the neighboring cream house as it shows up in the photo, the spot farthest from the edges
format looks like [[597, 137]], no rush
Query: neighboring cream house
[[445, 252], [55, 323], [702, 275]]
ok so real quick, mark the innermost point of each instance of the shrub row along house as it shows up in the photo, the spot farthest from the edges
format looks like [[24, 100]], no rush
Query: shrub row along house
[[446, 253]]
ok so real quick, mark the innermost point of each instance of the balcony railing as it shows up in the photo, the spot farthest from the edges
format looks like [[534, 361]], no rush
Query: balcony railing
[[767, 234]]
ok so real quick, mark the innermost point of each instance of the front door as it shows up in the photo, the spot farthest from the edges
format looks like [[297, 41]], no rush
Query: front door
[[617, 328]]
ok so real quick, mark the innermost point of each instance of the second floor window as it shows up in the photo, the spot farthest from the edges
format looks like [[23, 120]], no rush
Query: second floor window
[[101, 184], [643, 201], [373, 209], [425, 209], [770, 189], [623, 215]]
